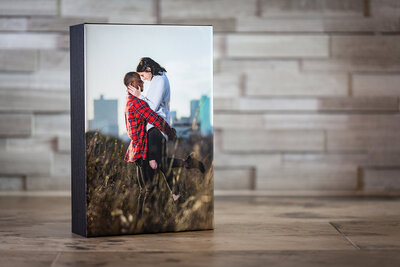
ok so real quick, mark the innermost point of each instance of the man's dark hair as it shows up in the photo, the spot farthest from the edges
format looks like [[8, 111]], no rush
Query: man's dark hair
[[130, 76], [155, 68]]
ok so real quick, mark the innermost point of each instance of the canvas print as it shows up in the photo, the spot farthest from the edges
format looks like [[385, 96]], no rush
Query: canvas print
[[148, 128]]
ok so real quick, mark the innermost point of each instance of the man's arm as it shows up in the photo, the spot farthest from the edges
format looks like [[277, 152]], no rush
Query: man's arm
[[151, 117], [129, 117]]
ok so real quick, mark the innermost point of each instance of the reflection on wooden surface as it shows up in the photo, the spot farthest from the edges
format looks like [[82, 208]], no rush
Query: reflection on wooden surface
[[249, 231]]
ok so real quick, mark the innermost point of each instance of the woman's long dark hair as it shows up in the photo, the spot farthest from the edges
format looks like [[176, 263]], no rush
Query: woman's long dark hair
[[155, 68]]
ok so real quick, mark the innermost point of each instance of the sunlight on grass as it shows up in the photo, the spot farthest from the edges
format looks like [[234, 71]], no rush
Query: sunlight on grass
[[116, 203]]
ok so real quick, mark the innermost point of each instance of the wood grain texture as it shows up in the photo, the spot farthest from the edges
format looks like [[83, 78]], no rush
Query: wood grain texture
[[330, 66], [249, 231]]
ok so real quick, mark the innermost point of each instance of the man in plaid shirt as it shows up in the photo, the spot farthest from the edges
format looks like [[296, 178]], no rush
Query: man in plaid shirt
[[137, 115]]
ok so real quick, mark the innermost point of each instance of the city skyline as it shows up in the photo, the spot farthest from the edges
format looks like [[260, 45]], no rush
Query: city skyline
[[106, 115], [199, 119], [184, 51]]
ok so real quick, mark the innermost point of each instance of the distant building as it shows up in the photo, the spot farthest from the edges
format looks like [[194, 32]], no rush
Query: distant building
[[194, 106], [172, 116], [105, 116], [205, 115], [199, 120], [183, 127]]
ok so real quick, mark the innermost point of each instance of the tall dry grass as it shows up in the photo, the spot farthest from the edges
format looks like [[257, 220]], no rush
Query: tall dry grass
[[116, 203]]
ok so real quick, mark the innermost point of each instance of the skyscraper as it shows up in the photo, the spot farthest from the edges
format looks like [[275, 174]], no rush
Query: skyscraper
[[205, 115], [194, 105], [173, 117], [105, 116]]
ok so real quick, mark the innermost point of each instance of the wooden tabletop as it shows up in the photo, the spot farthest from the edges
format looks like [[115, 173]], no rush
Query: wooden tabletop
[[249, 231]]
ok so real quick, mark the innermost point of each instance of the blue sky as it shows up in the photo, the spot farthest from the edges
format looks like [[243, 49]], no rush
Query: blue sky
[[113, 50]]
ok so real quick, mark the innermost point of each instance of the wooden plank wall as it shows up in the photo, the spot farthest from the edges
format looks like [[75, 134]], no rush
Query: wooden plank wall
[[306, 93]]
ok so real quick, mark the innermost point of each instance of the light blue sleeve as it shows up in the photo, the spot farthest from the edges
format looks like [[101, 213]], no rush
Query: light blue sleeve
[[155, 93]]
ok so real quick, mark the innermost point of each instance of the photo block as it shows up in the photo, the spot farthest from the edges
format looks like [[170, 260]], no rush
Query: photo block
[[141, 129]]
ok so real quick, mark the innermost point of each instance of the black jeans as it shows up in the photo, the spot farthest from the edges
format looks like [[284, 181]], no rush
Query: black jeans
[[156, 147], [157, 150]]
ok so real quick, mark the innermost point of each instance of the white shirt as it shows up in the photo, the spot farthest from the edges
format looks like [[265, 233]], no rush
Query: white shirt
[[158, 97]]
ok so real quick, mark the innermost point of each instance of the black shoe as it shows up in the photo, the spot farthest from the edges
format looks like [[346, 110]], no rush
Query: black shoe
[[192, 163]]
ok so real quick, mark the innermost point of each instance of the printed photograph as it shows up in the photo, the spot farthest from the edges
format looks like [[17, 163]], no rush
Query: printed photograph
[[149, 128]]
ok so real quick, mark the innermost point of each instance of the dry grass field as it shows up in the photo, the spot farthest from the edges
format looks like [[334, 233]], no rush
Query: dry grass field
[[117, 204]]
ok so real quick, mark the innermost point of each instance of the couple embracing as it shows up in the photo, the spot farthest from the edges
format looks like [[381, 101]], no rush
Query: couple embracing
[[147, 124]]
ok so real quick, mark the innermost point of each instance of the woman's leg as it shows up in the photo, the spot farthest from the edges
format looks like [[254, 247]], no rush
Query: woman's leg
[[154, 145], [190, 162], [157, 150]]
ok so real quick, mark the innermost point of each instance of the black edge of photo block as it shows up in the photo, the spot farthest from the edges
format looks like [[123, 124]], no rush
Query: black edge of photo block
[[78, 143]]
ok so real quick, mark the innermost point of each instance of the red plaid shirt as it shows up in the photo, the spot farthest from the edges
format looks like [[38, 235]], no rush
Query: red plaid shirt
[[137, 115]]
